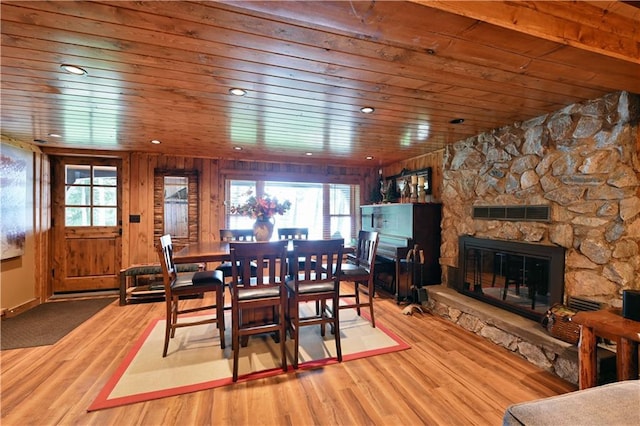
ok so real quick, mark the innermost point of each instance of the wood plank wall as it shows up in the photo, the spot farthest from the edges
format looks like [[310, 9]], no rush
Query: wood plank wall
[[138, 187], [138, 238]]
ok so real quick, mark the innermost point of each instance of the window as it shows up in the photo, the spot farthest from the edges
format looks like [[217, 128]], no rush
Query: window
[[328, 210], [91, 195], [176, 205]]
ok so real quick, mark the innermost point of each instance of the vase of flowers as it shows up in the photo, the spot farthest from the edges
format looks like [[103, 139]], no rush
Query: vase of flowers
[[263, 229], [262, 209]]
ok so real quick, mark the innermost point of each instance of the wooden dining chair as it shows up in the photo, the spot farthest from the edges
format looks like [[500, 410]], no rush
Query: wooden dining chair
[[253, 295], [319, 284], [234, 235], [359, 270], [293, 233], [177, 285]]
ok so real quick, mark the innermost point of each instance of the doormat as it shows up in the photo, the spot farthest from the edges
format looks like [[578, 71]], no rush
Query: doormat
[[49, 322]]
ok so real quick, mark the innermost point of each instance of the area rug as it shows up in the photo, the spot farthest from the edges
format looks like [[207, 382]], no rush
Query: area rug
[[48, 322], [195, 361]]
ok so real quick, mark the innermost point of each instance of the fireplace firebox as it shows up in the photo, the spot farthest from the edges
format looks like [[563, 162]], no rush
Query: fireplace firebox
[[524, 278]]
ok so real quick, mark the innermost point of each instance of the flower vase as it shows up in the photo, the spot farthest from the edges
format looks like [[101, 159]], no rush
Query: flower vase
[[263, 229]]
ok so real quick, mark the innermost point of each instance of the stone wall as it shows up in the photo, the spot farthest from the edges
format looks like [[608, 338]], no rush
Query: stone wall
[[582, 162]]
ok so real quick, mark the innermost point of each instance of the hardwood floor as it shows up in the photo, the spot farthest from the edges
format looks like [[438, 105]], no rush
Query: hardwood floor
[[448, 377]]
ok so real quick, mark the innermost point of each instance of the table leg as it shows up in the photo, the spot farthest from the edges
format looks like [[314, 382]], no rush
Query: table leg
[[587, 358], [627, 359]]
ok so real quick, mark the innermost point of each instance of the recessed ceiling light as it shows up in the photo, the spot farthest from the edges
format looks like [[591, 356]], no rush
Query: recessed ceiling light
[[237, 91], [308, 154], [369, 157], [156, 142], [73, 69], [457, 121], [237, 148], [54, 135], [367, 110]]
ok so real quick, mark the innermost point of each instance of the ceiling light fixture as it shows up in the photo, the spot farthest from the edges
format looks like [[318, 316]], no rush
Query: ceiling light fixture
[[457, 121], [308, 154], [156, 142], [367, 110], [54, 135], [237, 148], [73, 69], [237, 91], [369, 157]]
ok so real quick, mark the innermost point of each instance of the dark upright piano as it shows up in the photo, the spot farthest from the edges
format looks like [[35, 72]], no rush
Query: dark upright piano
[[400, 227]]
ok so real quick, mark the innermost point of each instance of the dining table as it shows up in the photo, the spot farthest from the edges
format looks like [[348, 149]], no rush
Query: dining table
[[216, 251], [203, 252]]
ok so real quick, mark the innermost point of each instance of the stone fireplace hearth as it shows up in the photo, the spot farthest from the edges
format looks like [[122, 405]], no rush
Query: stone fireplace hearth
[[581, 162]]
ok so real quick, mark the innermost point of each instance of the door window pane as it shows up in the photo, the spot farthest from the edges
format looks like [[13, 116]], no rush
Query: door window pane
[[105, 196], [78, 175], [75, 216], [104, 217], [87, 189], [105, 176], [78, 196]]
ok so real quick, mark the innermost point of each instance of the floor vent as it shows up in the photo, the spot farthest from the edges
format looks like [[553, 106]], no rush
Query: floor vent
[[580, 304], [514, 213]]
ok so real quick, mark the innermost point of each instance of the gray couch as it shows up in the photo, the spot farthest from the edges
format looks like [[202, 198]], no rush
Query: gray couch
[[615, 404]]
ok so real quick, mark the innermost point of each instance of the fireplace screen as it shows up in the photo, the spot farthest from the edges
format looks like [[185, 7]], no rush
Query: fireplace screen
[[520, 277]]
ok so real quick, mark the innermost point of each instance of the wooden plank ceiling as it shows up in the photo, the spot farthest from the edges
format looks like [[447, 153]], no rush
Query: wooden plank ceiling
[[163, 70]]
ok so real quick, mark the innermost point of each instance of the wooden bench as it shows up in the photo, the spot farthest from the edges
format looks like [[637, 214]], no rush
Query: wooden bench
[[129, 281]]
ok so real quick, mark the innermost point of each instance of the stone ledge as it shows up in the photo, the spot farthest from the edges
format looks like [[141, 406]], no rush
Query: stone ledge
[[520, 335], [517, 325]]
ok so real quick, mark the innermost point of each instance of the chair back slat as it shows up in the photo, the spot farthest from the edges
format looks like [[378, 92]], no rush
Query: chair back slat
[[318, 261], [270, 258], [165, 253], [293, 233], [236, 235], [367, 248]]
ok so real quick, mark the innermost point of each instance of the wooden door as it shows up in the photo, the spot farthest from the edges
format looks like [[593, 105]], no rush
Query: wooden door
[[87, 247]]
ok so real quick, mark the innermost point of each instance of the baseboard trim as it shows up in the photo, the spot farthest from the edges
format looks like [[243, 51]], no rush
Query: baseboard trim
[[17, 310]]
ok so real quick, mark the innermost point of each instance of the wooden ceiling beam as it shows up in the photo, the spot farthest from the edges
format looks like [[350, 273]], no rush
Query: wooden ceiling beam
[[610, 28]]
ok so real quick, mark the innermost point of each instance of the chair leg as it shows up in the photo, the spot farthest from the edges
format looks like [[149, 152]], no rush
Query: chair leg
[[174, 315], [356, 286], [220, 314], [371, 289], [283, 337], [235, 344], [168, 327], [336, 327], [295, 324], [323, 314]]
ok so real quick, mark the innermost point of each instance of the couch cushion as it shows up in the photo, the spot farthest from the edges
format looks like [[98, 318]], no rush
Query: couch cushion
[[612, 404]]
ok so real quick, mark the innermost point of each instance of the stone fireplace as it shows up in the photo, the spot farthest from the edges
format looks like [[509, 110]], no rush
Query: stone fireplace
[[583, 164], [523, 278]]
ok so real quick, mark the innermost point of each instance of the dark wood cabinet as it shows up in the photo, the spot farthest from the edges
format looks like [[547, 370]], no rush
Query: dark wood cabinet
[[401, 226]]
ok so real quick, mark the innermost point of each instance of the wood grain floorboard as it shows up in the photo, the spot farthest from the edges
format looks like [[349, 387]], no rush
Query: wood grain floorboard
[[448, 377]]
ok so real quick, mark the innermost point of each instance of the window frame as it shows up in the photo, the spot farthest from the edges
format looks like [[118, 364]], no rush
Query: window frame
[[193, 204], [260, 180], [91, 186]]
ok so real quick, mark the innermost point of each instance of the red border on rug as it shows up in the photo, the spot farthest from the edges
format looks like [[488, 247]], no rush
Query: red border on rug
[[101, 401]]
